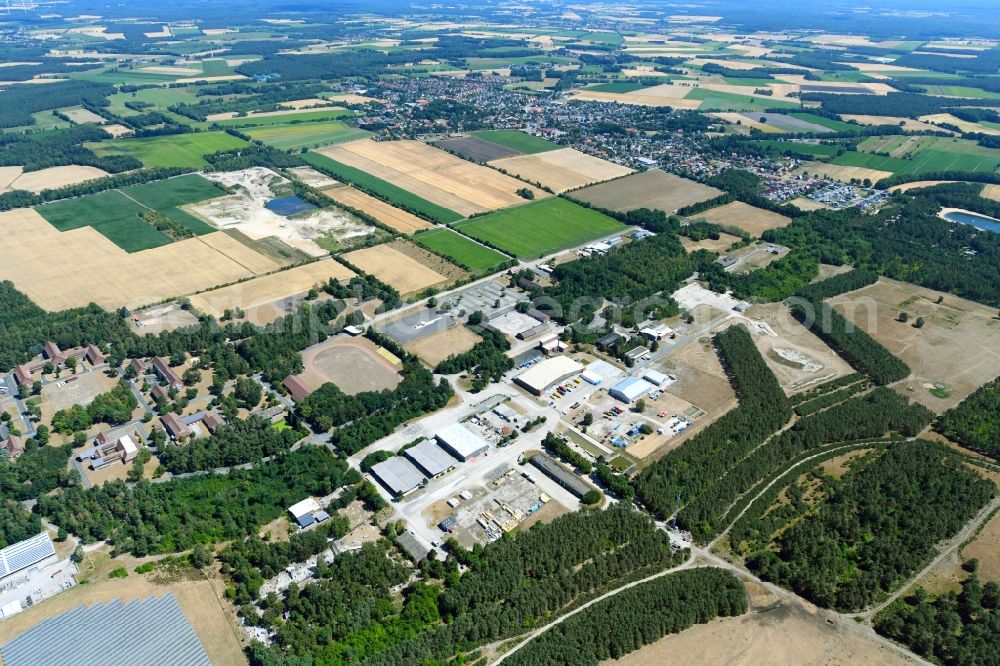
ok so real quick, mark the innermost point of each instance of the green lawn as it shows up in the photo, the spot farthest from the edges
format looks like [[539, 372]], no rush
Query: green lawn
[[541, 227], [111, 213], [519, 141], [459, 249], [306, 135], [316, 115], [175, 150], [381, 188]]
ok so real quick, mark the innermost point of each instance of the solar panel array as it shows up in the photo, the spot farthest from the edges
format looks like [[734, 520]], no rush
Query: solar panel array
[[152, 632], [23, 554]]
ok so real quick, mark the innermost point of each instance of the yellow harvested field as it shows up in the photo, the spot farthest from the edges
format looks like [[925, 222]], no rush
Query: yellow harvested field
[[255, 262], [561, 170], [305, 103], [662, 95], [390, 265], [991, 192], [908, 125], [353, 99], [754, 221], [398, 219], [8, 174], [843, 173], [905, 187], [432, 174], [60, 270], [270, 288], [747, 122], [802, 203], [964, 125], [874, 88], [53, 178], [228, 115]]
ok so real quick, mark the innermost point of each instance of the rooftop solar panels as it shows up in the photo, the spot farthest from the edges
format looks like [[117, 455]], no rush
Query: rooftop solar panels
[[151, 632], [23, 554]]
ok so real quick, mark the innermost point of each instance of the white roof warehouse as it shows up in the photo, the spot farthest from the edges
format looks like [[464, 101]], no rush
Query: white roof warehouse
[[541, 376]]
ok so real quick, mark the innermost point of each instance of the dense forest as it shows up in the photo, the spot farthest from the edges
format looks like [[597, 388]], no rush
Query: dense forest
[[951, 629], [22, 101], [838, 284], [58, 148], [875, 526], [705, 458], [16, 524], [636, 617], [627, 275], [975, 422], [150, 518], [906, 241], [869, 416], [507, 586], [241, 441]]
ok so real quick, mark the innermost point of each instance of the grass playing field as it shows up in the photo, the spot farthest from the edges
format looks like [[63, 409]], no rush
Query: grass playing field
[[306, 135], [540, 228], [175, 150], [384, 190], [459, 249], [519, 141], [111, 213]]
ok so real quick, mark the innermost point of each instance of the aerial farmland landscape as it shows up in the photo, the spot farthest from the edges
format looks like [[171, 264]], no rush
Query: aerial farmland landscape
[[403, 333]]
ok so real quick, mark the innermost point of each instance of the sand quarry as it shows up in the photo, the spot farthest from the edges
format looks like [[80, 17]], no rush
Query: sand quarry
[[245, 212]]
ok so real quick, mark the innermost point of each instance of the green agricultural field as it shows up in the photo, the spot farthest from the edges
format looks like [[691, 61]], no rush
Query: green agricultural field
[[519, 141], [924, 161], [159, 98], [173, 192], [306, 135], [850, 75], [459, 249], [713, 100], [381, 188], [317, 115], [960, 91], [816, 150], [739, 81], [175, 150], [541, 227], [112, 214], [835, 125], [618, 87]]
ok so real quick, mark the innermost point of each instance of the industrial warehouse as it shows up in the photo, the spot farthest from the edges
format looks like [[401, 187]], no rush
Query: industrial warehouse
[[539, 377]]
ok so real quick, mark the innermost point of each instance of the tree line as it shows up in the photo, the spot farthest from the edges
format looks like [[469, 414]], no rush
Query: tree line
[[638, 616], [975, 422], [875, 526], [238, 442]]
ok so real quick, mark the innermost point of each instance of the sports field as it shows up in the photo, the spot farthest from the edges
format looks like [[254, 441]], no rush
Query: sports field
[[540, 228], [519, 141], [175, 150], [432, 174], [115, 216], [292, 136], [384, 189], [459, 249]]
